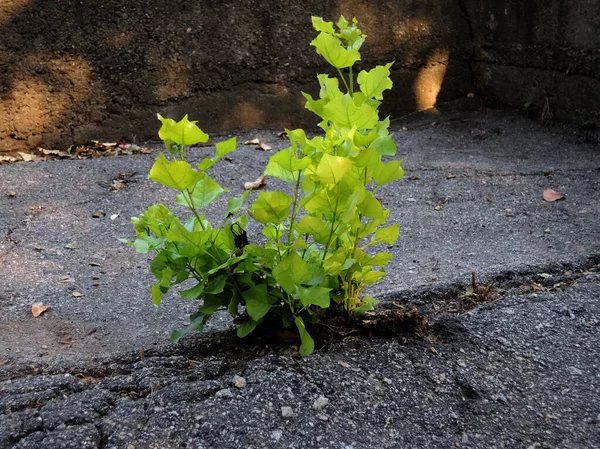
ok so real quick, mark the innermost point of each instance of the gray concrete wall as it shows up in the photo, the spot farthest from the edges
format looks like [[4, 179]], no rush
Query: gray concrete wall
[[75, 69], [541, 53]]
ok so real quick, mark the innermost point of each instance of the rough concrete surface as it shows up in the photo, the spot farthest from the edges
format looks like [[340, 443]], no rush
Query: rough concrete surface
[[519, 372], [539, 53], [75, 69]]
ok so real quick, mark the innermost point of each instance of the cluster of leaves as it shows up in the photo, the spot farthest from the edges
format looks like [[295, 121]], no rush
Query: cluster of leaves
[[315, 260]]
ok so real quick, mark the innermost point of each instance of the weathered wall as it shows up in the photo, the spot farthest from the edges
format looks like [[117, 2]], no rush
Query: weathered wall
[[75, 69], [540, 52]]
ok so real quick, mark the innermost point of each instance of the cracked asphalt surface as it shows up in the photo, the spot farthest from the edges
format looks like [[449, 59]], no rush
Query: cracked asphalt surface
[[96, 370]]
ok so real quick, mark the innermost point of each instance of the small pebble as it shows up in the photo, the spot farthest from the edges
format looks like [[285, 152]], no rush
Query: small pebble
[[320, 403], [224, 393], [239, 381], [287, 412], [575, 371], [276, 435]]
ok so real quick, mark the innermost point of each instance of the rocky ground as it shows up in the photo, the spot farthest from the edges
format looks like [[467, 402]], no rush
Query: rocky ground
[[517, 367]]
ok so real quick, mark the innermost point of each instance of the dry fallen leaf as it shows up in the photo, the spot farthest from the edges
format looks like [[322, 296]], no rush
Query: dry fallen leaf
[[263, 147], [255, 184], [37, 309], [550, 195], [27, 157], [72, 245], [117, 185], [12, 194], [451, 176], [77, 294], [98, 214], [254, 141]]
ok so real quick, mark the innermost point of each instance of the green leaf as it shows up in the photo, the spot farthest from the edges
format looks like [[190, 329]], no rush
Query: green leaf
[[313, 226], [381, 259], [384, 145], [372, 208], [318, 296], [373, 276], [204, 192], [179, 233], [258, 302], [389, 172], [292, 272], [246, 326], [375, 81], [271, 207], [388, 234], [330, 87], [212, 303], [182, 132], [194, 292], [367, 157], [216, 285], [177, 174], [286, 166], [198, 320], [344, 112], [308, 345], [226, 147], [320, 25], [334, 52], [368, 303], [313, 105], [158, 291], [234, 204], [331, 169]]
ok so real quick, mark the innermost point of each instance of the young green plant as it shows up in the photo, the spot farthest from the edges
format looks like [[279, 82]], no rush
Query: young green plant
[[317, 260]]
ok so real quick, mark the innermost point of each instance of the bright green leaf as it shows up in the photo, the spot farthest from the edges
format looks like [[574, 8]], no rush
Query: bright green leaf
[[318, 296], [285, 165], [271, 207], [375, 81], [384, 145], [344, 112], [226, 147], [204, 192], [388, 234], [292, 272], [330, 87], [389, 172], [371, 207], [183, 132], [334, 52], [320, 25], [331, 169], [177, 174]]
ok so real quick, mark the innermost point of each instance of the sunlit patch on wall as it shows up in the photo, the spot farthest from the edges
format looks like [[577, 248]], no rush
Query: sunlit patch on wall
[[9, 8], [245, 115], [428, 81]]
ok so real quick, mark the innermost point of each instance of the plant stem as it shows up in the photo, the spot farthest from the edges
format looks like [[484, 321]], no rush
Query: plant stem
[[337, 202], [294, 204], [351, 81], [344, 81], [190, 203]]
